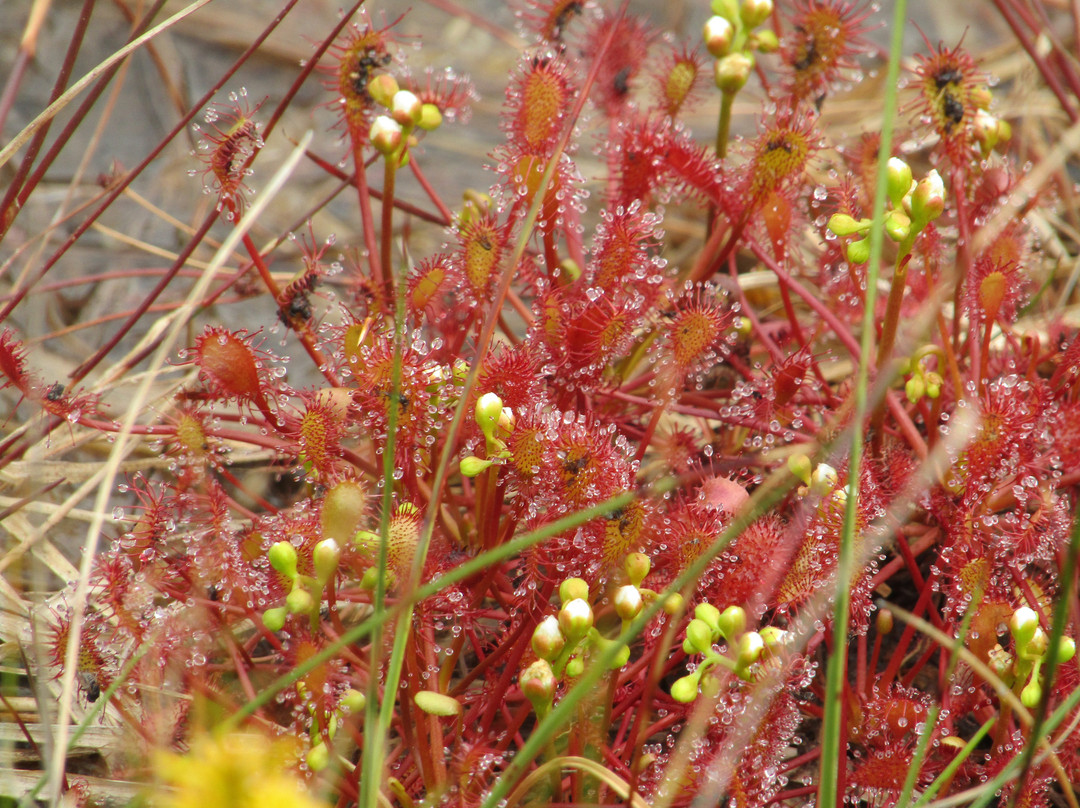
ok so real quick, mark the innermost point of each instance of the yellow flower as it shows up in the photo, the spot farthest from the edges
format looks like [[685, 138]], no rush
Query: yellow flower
[[236, 770]]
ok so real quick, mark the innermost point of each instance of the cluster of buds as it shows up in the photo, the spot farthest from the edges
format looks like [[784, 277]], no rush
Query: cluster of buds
[[496, 422], [305, 592], [913, 206], [744, 649], [819, 480], [393, 134], [318, 756], [731, 40], [921, 382], [1024, 670]]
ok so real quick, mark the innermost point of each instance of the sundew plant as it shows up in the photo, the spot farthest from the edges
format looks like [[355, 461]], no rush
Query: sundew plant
[[717, 442]]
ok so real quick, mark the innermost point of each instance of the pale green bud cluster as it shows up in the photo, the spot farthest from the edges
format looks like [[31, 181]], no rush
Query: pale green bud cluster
[[913, 206], [392, 134], [743, 649], [731, 40], [1022, 670], [818, 480], [305, 591], [496, 422], [921, 381]]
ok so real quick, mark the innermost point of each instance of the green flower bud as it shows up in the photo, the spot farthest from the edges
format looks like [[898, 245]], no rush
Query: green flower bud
[[1031, 695], [728, 9], [369, 580], [538, 683], [488, 410], [914, 389], [472, 466], [843, 225], [898, 181], [673, 604], [547, 639], [282, 557], [800, 466], [575, 619], [299, 601], [430, 118], [718, 34], [897, 225], [575, 667], [774, 637], [382, 88], [755, 12], [751, 647], [274, 619], [354, 701], [326, 556], [1001, 662], [883, 622], [685, 690], [858, 252], [928, 199], [765, 41], [406, 108], [386, 135], [1038, 645], [1022, 626], [824, 479], [1066, 650], [732, 622], [572, 589], [637, 566], [570, 268], [709, 615], [699, 635], [733, 71], [434, 703], [628, 602], [318, 758]]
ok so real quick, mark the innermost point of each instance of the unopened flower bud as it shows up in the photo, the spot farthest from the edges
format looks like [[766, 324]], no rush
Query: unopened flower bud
[[318, 758], [386, 135], [430, 118], [897, 225], [274, 619], [637, 566], [538, 683], [718, 34], [282, 557], [732, 622], [1000, 661], [733, 71], [801, 467], [1031, 695], [325, 557], [382, 88], [354, 701], [751, 647], [434, 703], [915, 389], [575, 667], [471, 466], [572, 589], [774, 637], [708, 614], [1037, 646], [699, 636], [547, 639], [858, 252], [685, 690], [488, 411], [928, 199], [765, 41], [1022, 626], [406, 108], [673, 604], [299, 601], [842, 224], [898, 181], [824, 479], [755, 12], [728, 9], [1066, 650], [627, 601], [575, 619]]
